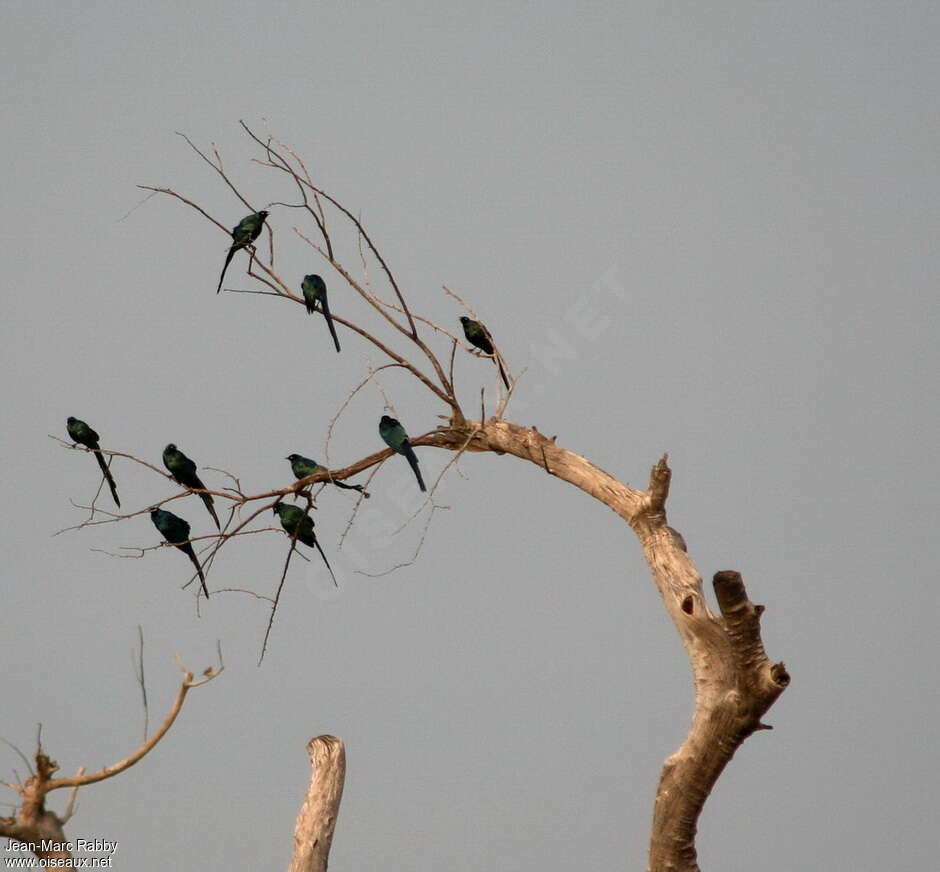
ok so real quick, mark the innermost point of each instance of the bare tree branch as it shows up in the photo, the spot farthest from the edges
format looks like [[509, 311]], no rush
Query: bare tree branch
[[218, 168], [187, 684], [41, 829]]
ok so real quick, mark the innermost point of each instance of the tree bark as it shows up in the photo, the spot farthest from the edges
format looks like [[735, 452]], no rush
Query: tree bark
[[313, 832], [735, 684]]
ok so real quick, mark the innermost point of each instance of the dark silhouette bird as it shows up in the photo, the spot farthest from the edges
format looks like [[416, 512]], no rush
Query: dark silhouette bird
[[478, 336], [176, 531], [395, 437], [314, 291], [81, 433], [243, 234], [303, 466], [183, 471], [290, 517]]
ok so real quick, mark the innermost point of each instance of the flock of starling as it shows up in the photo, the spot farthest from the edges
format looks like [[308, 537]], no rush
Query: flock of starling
[[296, 522]]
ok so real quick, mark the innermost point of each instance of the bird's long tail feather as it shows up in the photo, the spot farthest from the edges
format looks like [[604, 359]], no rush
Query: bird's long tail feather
[[409, 453], [329, 320], [228, 260], [355, 487], [327, 562], [188, 548], [108, 477], [502, 370], [207, 499]]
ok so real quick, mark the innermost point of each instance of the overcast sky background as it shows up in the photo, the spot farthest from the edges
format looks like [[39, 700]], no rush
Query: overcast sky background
[[702, 228]]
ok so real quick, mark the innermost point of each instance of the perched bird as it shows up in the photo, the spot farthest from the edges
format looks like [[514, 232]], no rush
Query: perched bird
[[395, 437], [314, 290], [84, 435], [244, 233], [290, 517], [183, 471], [303, 466], [478, 336], [176, 531]]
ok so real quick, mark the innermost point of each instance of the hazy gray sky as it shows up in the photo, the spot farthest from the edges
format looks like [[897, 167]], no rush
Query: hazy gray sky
[[740, 199]]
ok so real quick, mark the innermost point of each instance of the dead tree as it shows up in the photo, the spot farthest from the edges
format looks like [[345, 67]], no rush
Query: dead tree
[[735, 682]]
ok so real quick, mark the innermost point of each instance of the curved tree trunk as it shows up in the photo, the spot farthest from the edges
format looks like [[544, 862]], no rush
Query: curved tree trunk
[[735, 682]]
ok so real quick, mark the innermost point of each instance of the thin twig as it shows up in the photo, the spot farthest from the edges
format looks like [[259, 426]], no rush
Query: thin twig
[[219, 169], [414, 557], [141, 680], [277, 595], [348, 400], [73, 795], [352, 516], [429, 497], [462, 302], [20, 754], [244, 590]]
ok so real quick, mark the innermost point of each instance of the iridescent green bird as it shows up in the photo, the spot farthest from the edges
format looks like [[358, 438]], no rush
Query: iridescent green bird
[[176, 531], [290, 517], [84, 435], [183, 471], [314, 290], [243, 234], [478, 336], [303, 466], [395, 437]]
